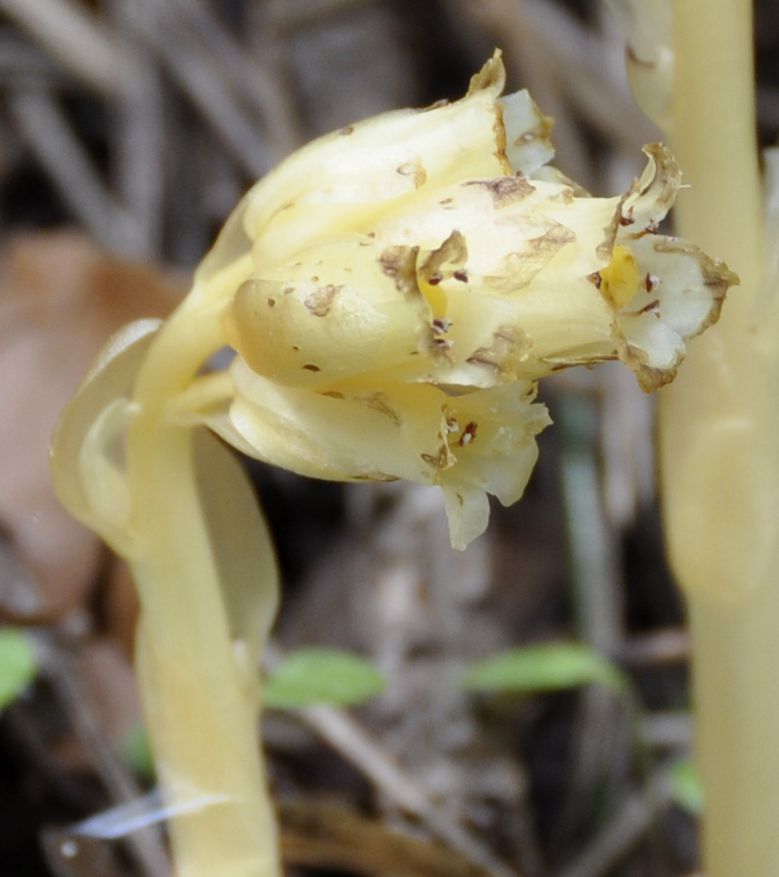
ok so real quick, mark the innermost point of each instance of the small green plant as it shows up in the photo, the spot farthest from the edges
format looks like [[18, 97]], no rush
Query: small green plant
[[546, 667], [18, 665], [686, 786], [315, 675]]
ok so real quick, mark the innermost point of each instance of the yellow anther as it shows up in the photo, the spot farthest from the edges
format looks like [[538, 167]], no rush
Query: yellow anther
[[620, 277], [436, 297]]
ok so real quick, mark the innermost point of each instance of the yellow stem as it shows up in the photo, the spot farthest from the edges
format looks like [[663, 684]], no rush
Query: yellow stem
[[719, 460], [200, 704]]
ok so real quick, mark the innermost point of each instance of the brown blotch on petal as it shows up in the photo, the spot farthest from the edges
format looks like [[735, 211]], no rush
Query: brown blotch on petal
[[374, 476], [469, 434], [413, 169], [441, 345], [505, 190], [379, 402], [321, 299], [309, 366], [652, 307], [509, 345], [399, 263], [595, 279], [606, 246], [332, 394], [451, 255], [442, 460], [553, 239], [520, 268]]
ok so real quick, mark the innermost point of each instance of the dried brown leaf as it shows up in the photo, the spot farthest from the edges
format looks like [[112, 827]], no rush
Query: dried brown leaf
[[60, 298]]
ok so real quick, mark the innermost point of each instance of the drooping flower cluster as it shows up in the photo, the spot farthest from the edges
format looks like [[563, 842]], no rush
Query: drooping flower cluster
[[414, 275], [393, 292]]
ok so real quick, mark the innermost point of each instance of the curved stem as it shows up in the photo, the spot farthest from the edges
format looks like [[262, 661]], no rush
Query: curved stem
[[201, 701]]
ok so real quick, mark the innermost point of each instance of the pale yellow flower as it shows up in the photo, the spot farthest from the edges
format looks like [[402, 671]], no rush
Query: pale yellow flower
[[414, 275], [394, 290]]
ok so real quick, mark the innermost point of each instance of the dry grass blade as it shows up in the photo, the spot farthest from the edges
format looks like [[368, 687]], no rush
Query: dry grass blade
[[72, 35], [48, 134], [205, 84], [138, 131], [354, 743], [247, 78], [60, 668], [633, 818]]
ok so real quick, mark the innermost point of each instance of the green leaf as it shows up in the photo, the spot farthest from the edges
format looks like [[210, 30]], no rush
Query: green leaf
[[686, 787], [316, 676], [548, 667], [17, 665], [136, 752]]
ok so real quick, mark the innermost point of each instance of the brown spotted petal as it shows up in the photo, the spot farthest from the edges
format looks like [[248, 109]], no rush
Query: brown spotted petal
[[680, 293], [492, 436], [652, 195], [469, 445], [347, 307], [341, 182], [527, 133]]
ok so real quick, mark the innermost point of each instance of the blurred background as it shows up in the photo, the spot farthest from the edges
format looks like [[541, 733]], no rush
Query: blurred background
[[128, 131]]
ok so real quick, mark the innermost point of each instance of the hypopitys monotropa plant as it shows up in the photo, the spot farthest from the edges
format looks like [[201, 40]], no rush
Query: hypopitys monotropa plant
[[392, 292]]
